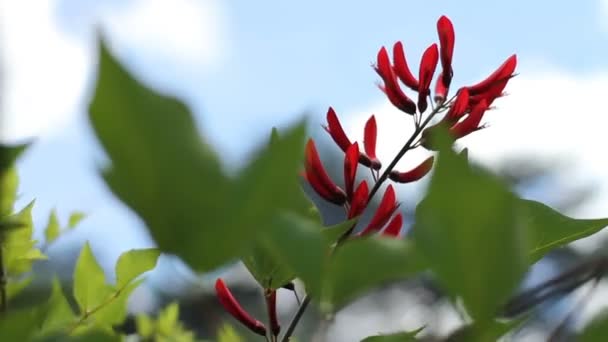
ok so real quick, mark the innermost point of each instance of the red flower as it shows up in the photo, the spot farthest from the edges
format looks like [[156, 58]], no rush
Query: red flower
[[394, 227], [385, 210], [502, 74], [369, 142], [318, 179], [459, 107], [359, 200], [427, 69], [271, 304], [351, 160], [414, 174], [401, 68], [234, 308], [471, 123], [391, 86], [335, 130], [441, 90], [445, 30]]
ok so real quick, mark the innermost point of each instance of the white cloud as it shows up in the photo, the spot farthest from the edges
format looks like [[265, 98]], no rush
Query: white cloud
[[46, 67], [550, 113]]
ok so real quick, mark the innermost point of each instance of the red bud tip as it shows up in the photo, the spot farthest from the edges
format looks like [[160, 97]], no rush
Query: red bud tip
[[359, 200], [414, 174], [334, 128], [394, 227], [233, 307], [459, 107], [503, 73], [445, 30], [351, 160], [369, 142], [441, 91], [391, 86], [401, 68], [428, 64], [471, 123], [318, 179], [387, 207]]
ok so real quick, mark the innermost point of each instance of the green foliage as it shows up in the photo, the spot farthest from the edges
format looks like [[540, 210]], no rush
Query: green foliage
[[162, 169], [334, 279], [405, 336], [166, 327], [470, 231], [547, 229], [228, 334]]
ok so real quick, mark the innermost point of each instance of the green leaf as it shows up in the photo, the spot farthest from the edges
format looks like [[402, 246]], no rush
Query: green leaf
[[362, 264], [396, 337], [21, 325], [228, 334], [59, 313], [75, 218], [300, 245], [114, 310], [8, 177], [333, 233], [19, 248], [597, 330], [90, 289], [168, 319], [52, 230], [548, 229], [14, 288], [266, 269], [469, 229], [145, 326], [133, 263]]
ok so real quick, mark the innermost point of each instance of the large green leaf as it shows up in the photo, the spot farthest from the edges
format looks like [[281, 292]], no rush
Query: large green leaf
[[90, 288], [469, 229], [162, 169], [133, 263], [548, 229], [362, 264]]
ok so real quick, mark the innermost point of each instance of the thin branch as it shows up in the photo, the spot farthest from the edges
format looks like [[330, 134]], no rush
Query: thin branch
[[296, 319]]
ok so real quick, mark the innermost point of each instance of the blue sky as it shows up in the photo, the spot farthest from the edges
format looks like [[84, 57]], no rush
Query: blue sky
[[244, 66]]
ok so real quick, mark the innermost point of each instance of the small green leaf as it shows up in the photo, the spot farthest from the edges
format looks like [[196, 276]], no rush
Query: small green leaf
[[145, 326], [90, 289], [548, 229], [133, 263], [75, 218], [405, 336], [52, 228], [114, 310], [266, 269], [8, 177], [227, 334], [333, 233], [19, 248], [59, 313], [469, 229], [168, 319]]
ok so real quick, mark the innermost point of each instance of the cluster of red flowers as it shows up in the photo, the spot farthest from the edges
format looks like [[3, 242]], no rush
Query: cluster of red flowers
[[463, 115]]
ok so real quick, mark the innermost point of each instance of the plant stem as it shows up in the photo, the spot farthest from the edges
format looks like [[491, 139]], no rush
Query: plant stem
[[408, 145], [296, 319]]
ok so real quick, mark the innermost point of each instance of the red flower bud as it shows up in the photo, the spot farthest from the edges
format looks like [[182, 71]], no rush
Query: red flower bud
[[414, 174], [271, 305], [391, 86], [394, 227], [335, 130], [351, 160], [234, 308], [441, 91], [427, 69], [459, 107], [318, 179], [401, 68], [445, 30], [385, 210], [369, 142], [471, 123], [359, 200], [503, 73]]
